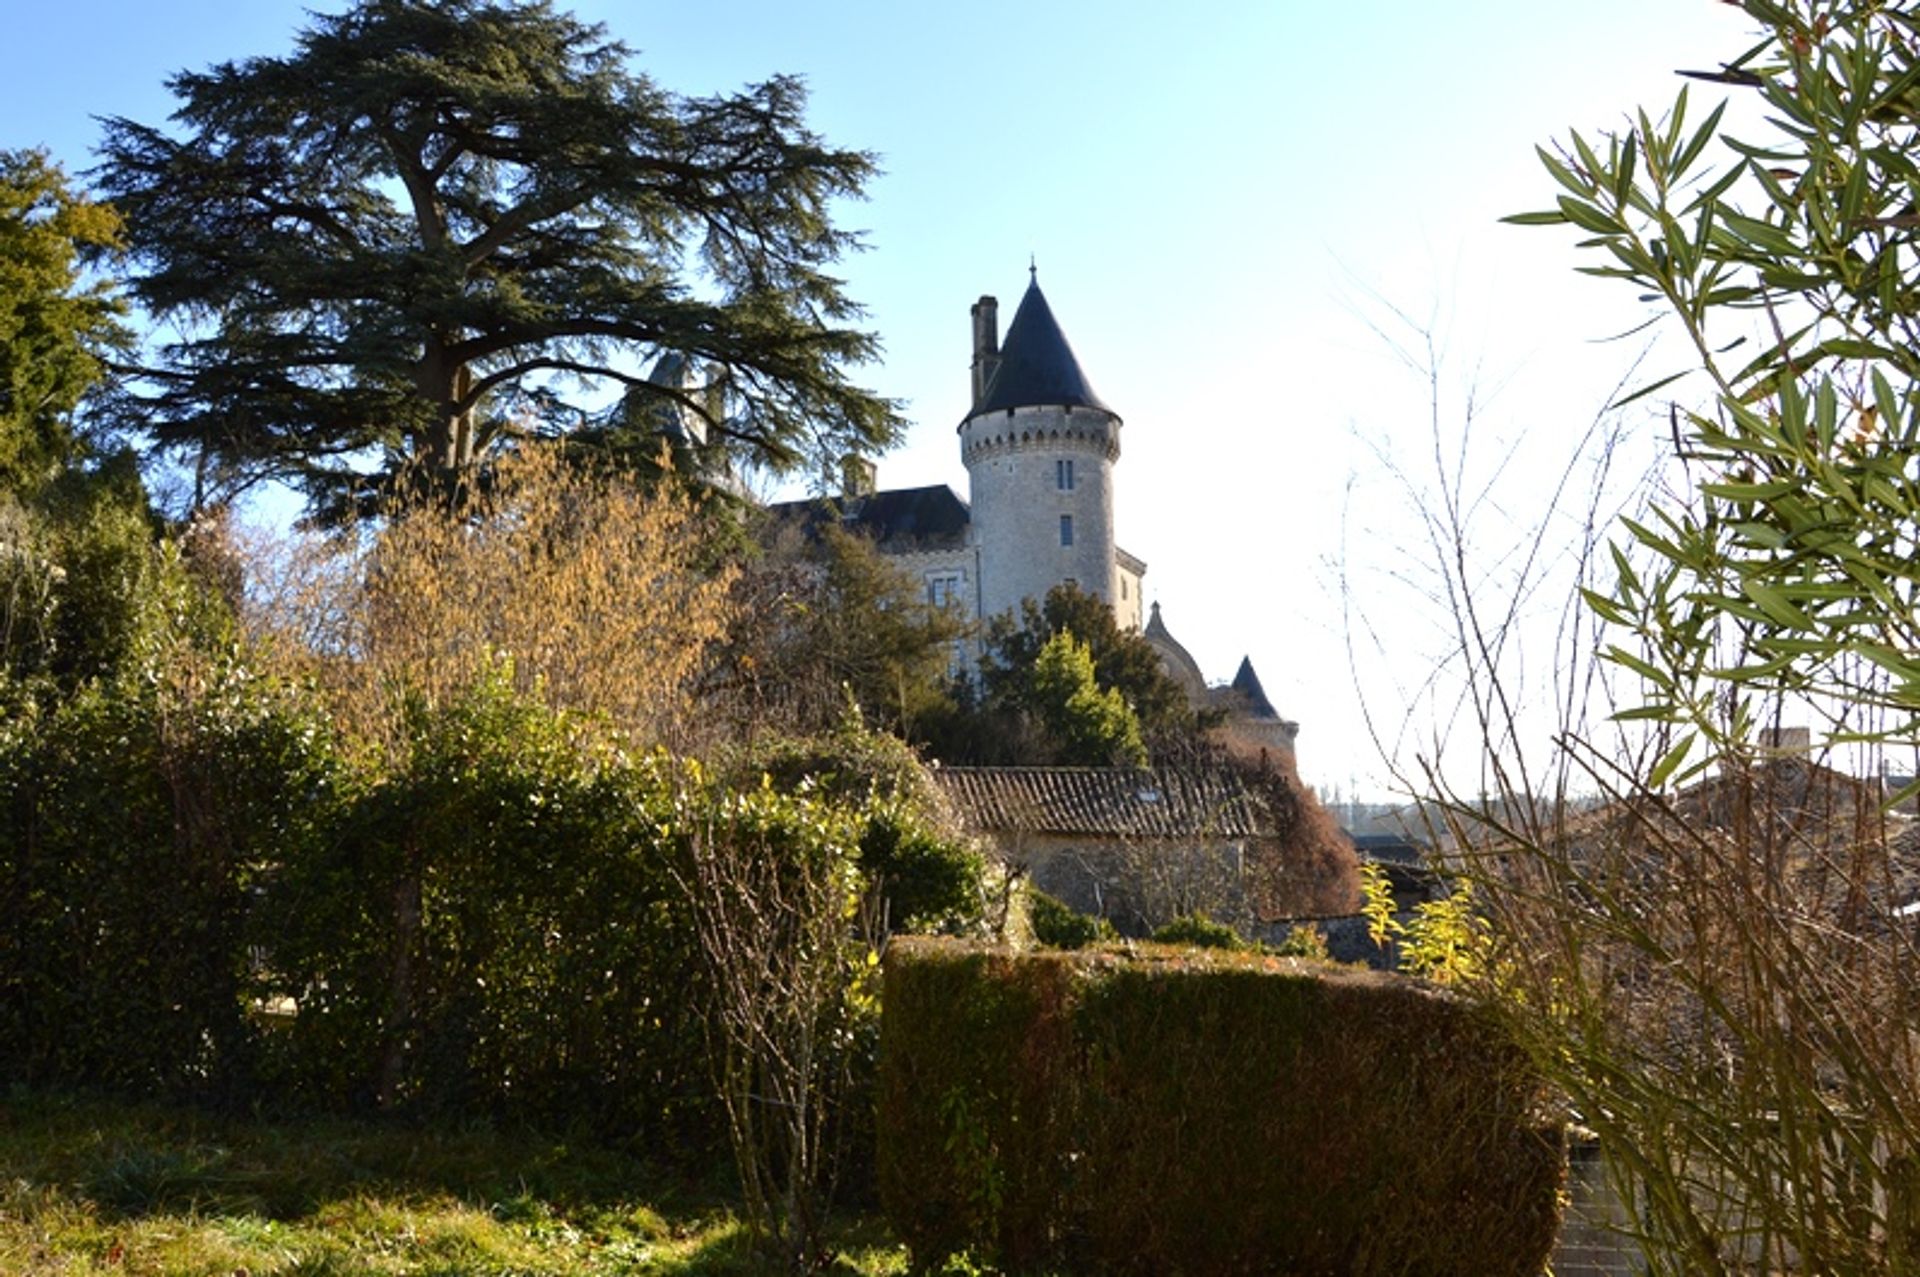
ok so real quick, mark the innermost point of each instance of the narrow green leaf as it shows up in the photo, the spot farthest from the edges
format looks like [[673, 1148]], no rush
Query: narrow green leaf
[[1623, 175], [1644, 391], [1589, 217], [1545, 218], [1604, 608], [1670, 761], [1776, 605], [1620, 656], [1698, 143], [1769, 491]]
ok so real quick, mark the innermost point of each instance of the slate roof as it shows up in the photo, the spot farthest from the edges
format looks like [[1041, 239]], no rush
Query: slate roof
[[899, 519], [1247, 683], [1103, 801], [1390, 849], [1037, 367]]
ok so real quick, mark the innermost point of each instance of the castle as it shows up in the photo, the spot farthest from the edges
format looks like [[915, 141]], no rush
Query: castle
[[1040, 449]]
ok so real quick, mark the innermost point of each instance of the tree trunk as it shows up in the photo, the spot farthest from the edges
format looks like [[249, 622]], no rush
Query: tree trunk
[[450, 445], [399, 1022]]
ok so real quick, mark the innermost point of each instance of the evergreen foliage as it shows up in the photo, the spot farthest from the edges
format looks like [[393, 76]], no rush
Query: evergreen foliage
[[55, 328], [1058, 925], [1786, 262], [142, 816], [407, 240], [1096, 697], [1037, 1113], [924, 874], [1198, 931], [1122, 660], [1091, 725]]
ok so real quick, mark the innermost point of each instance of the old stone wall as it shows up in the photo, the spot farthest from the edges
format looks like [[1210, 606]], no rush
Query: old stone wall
[[1138, 885], [1021, 492]]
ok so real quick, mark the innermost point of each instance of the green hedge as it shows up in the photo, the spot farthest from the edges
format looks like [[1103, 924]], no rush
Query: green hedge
[[494, 928], [205, 893], [134, 820], [1186, 1112]]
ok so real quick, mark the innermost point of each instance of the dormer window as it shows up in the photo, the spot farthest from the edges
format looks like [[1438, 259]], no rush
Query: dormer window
[[1063, 474]]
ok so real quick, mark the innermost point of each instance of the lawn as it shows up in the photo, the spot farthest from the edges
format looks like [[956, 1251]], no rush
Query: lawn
[[89, 1186]]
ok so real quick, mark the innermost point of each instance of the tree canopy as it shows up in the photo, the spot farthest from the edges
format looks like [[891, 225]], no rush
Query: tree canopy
[[1122, 659], [1091, 724], [442, 225], [1065, 685], [54, 326], [823, 618]]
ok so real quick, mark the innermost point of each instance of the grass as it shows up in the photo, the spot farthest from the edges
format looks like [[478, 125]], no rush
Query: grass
[[92, 1186]]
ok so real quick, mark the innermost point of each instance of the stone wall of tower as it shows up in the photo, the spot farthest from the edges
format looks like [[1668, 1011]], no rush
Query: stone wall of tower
[[1014, 465]]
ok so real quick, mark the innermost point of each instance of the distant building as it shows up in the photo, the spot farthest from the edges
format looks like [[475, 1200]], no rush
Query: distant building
[[1144, 846], [1040, 448]]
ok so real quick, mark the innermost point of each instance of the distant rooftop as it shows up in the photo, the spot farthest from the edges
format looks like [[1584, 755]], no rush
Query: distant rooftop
[[1107, 801], [899, 519]]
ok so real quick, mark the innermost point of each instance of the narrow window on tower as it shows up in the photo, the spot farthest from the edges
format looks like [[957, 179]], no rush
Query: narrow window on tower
[[1066, 529], [1063, 474]]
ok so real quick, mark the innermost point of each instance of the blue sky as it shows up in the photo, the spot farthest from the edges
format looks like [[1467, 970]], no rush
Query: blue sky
[[1224, 205]]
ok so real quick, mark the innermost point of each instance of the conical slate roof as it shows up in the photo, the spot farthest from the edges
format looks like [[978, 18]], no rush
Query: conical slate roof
[[1037, 367], [1247, 683]]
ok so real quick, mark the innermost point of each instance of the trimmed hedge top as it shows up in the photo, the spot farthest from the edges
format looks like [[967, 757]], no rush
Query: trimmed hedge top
[[1179, 1111]]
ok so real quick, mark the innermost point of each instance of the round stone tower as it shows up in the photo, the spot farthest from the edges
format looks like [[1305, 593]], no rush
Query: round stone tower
[[1039, 448]]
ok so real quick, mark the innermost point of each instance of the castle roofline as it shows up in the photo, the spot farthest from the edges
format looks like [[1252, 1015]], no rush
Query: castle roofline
[[897, 519], [1036, 367], [1247, 683]]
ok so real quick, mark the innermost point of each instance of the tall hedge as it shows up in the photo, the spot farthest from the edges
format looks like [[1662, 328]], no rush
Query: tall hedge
[[136, 821], [493, 928], [1181, 1112]]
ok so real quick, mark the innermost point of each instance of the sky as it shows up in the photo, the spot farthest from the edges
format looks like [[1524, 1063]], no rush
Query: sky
[[1249, 219]]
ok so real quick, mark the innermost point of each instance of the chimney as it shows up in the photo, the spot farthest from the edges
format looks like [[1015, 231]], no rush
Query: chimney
[[857, 475], [986, 344]]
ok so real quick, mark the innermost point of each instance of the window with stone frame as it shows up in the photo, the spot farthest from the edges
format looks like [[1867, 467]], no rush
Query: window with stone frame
[[944, 588]]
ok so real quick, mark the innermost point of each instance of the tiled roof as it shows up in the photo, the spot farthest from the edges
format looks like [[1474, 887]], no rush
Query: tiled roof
[[1037, 367], [1114, 802]]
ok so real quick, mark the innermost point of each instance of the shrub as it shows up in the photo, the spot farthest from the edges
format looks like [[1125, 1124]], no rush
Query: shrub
[[496, 930], [1083, 1111], [1058, 925], [788, 937], [139, 817], [600, 597], [1198, 931], [925, 874]]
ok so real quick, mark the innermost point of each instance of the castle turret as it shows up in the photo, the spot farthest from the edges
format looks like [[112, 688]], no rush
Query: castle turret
[[1039, 448]]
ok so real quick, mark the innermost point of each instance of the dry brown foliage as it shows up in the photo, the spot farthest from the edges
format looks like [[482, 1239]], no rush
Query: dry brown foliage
[[1723, 980], [599, 595]]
